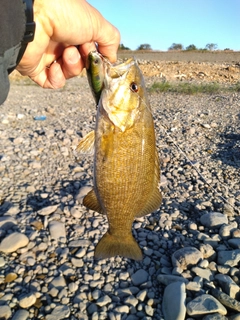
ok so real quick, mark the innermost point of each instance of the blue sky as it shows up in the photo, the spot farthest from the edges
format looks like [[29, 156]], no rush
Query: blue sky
[[163, 22]]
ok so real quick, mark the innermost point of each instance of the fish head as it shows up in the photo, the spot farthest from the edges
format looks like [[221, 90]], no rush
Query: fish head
[[94, 61], [123, 96]]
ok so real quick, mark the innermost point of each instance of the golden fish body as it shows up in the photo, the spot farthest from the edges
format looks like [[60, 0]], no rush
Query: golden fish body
[[126, 164]]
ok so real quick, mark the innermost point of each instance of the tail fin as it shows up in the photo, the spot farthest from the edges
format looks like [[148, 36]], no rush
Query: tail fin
[[110, 246]]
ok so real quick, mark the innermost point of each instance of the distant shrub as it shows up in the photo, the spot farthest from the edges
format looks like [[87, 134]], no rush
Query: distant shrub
[[211, 46], [122, 47], [144, 46], [191, 47], [176, 46]]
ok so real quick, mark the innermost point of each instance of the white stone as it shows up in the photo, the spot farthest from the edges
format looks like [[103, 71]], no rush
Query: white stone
[[80, 253], [102, 301], [2, 262], [83, 192], [122, 309], [59, 282], [78, 263], [72, 287], [5, 312], [47, 210], [27, 301], [13, 242], [57, 230]]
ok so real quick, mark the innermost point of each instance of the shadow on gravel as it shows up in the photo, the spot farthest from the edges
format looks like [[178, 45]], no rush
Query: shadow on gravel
[[64, 193], [229, 149], [4, 207]]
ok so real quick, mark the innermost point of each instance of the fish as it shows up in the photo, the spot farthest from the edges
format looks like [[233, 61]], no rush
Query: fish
[[126, 175], [95, 73]]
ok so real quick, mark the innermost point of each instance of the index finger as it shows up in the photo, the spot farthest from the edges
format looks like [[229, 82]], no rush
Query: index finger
[[107, 38], [108, 43]]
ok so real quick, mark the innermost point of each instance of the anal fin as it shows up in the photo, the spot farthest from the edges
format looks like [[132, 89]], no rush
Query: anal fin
[[91, 202]]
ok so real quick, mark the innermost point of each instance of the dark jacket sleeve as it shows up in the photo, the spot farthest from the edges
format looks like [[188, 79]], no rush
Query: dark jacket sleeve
[[12, 28]]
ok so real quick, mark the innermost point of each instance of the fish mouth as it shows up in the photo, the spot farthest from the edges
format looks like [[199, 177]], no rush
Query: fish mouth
[[115, 72], [118, 70]]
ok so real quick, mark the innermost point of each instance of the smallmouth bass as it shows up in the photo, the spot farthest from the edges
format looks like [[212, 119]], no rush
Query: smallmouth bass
[[126, 163]]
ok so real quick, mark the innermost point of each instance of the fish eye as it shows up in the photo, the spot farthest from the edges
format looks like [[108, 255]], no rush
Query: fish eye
[[134, 87], [96, 61]]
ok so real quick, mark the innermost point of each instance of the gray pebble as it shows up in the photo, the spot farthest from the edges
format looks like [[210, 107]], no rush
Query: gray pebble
[[204, 305], [20, 315], [203, 273], [234, 243], [225, 299], [177, 310], [213, 219], [186, 257], [7, 222], [215, 316], [228, 285], [230, 257], [139, 277], [207, 251], [168, 279], [61, 312]]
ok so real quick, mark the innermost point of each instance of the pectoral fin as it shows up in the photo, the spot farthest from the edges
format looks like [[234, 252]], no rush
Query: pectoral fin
[[91, 202], [86, 145], [155, 198]]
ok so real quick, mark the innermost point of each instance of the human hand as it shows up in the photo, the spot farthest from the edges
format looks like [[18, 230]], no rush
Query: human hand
[[66, 31]]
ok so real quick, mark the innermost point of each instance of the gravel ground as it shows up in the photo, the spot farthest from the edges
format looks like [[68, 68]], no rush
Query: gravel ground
[[48, 238], [197, 56]]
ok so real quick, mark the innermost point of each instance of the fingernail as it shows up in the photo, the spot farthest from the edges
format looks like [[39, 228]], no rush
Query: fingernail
[[74, 58]]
